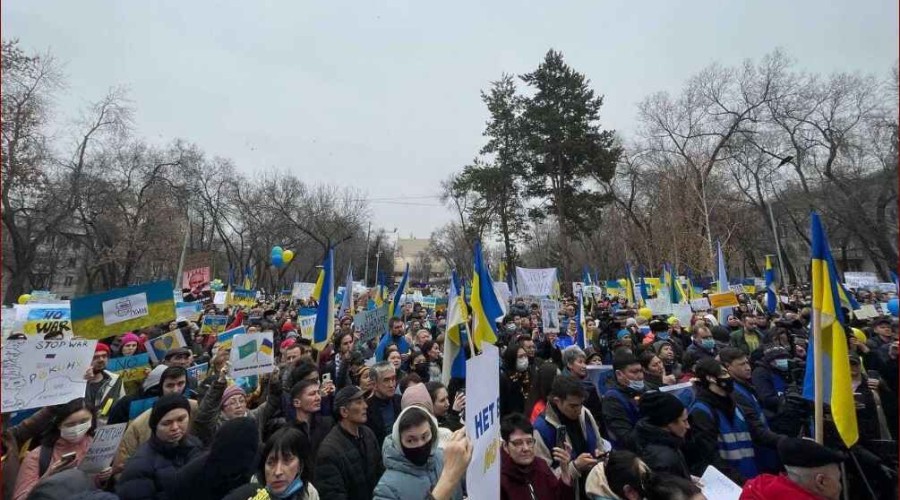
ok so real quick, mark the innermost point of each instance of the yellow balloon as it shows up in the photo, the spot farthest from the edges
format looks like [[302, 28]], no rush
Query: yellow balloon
[[24, 298], [287, 256], [645, 313]]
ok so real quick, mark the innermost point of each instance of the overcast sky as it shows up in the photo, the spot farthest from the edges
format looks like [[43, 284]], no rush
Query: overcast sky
[[384, 95]]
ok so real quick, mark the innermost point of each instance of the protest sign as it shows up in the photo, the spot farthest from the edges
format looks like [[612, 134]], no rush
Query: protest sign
[[737, 289], [550, 316], [40, 373], [723, 299], [593, 291], [701, 304], [220, 298], [860, 279], [188, 310], [659, 306], [483, 423], [717, 485], [307, 325], [195, 285], [213, 324], [198, 372], [224, 339], [252, 354], [158, 347], [600, 375], [243, 297], [130, 368], [535, 282], [866, 311], [429, 302], [43, 319], [302, 290], [42, 297], [103, 448], [371, 323], [122, 310], [684, 314], [7, 320], [501, 288], [884, 287], [577, 288]]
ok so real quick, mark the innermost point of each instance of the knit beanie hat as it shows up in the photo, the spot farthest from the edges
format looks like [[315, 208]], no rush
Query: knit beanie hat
[[164, 405], [660, 408], [130, 337], [101, 347], [231, 391], [417, 395]]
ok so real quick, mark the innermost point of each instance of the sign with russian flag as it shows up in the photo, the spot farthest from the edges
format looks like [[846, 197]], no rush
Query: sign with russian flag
[[122, 310]]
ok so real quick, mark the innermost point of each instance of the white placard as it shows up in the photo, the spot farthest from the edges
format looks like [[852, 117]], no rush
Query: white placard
[[370, 322], [125, 308], [501, 289], [37, 373], [738, 289], [550, 315], [866, 311], [302, 290], [717, 485], [220, 298], [701, 304], [535, 282], [307, 325], [483, 424], [103, 448], [659, 306], [252, 354], [684, 313], [577, 288]]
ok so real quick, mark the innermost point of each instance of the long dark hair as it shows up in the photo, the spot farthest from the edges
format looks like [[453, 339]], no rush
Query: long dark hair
[[60, 413], [541, 385], [288, 441]]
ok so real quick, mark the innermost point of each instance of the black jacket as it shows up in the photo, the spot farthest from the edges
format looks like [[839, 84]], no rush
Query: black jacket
[[616, 421], [660, 449], [315, 432], [152, 469], [375, 421], [348, 467], [703, 441], [759, 432]]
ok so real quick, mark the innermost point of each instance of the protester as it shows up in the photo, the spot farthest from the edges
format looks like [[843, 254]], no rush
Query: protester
[[521, 476], [13, 438], [620, 408], [103, 388], [284, 467], [703, 346], [654, 371], [223, 402], [515, 380], [540, 390], [575, 362], [384, 403], [662, 486], [307, 402], [659, 436], [448, 416], [813, 473], [621, 477]]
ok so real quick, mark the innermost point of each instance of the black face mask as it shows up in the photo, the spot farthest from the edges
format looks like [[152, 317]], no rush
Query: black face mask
[[418, 456], [422, 369], [727, 384]]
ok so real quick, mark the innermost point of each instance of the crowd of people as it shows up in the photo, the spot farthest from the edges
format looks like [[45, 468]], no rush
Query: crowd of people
[[639, 410]]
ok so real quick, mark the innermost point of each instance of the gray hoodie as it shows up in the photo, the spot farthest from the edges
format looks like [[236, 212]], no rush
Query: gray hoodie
[[402, 479]]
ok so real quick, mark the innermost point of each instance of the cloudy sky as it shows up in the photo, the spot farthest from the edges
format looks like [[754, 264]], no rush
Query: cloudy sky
[[384, 95]]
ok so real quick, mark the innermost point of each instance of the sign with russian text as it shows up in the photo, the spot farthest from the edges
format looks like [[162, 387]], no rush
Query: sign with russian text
[[37, 373], [483, 423]]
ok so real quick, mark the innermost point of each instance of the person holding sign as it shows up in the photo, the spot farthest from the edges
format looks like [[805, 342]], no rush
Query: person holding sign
[[62, 448], [104, 388]]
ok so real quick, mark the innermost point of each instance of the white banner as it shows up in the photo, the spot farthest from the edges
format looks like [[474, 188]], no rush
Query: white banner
[[371, 322], [125, 308], [483, 424], [684, 314], [307, 325], [501, 288], [37, 373], [252, 354], [302, 290], [103, 448], [535, 282], [550, 315], [860, 279]]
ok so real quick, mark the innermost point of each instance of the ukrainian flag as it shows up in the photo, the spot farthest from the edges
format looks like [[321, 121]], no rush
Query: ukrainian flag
[[248, 276], [676, 292], [837, 389], [393, 309], [486, 309], [325, 313], [379, 291], [771, 297], [110, 313], [317, 290], [580, 323], [629, 285], [457, 317]]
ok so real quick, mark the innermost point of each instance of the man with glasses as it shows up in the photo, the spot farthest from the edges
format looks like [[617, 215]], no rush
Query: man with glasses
[[523, 477], [384, 403]]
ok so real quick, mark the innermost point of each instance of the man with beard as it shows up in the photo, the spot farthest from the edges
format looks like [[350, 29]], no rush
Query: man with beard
[[103, 388]]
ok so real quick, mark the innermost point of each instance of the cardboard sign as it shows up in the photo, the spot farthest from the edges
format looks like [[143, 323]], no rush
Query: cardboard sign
[[122, 310], [723, 299], [701, 304], [213, 324], [866, 311], [38, 372], [483, 423], [252, 354], [371, 323], [158, 347], [307, 326], [130, 368], [684, 314], [103, 448], [188, 310]]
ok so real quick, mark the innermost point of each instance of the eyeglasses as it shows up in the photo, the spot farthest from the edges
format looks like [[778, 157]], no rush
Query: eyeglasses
[[520, 443]]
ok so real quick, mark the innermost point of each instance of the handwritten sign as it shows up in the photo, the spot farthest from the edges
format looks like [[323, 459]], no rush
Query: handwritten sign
[[130, 368], [535, 282], [40, 373], [371, 323], [302, 290], [866, 311], [723, 299], [701, 304], [103, 448], [43, 319]]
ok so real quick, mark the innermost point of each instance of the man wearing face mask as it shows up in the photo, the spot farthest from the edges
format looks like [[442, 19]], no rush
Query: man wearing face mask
[[720, 435], [703, 345], [772, 378], [620, 403]]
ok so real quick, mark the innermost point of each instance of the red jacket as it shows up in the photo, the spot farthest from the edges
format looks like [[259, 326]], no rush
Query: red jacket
[[769, 487], [515, 481]]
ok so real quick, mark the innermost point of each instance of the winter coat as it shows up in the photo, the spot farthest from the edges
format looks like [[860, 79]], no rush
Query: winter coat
[[619, 418], [13, 438], [255, 491], [375, 421], [315, 431], [660, 449], [348, 467], [138, 433], [769, 487], [517, 482], [153, 468], [209, 415], [111, 390], [703, 441], [63, 485], [29, 473], [545, 439], [402, 479]]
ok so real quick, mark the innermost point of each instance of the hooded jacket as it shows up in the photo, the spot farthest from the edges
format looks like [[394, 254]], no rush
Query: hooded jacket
[[769, 487], [402, 479], [660, 449], [518, 482], [210, 417], [597, 486]]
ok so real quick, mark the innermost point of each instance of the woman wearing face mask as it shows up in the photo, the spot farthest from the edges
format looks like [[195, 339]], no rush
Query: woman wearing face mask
[[515, 380], [71, 431], [432, 351], [421, 367], [448, 416], [285, 467], [412, 460]]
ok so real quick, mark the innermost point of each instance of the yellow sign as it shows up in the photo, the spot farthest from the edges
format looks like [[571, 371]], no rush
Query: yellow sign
[[723, 299]]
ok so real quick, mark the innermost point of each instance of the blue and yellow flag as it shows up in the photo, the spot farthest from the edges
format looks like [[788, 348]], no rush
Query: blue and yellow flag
[[629, 285], [379, 290], [457, 316], [393, 310], [325, 313], [837, 389], [580, 323], [248, 278], [114, 312], [722, 285], [643, 287], [317, 290], [771, 296], [677, 294], [394, 306], [486, 309]]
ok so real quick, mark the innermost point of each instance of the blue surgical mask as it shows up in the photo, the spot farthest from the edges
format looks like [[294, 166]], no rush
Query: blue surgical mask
[[637, 385], [781, 364], [708, 344], [292, 488], [663, 336]]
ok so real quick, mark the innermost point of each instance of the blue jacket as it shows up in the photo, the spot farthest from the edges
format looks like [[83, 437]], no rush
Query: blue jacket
[[152, 468]]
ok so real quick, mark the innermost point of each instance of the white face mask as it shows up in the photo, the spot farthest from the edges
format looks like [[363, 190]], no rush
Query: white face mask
[[521, 364], [75, 433]]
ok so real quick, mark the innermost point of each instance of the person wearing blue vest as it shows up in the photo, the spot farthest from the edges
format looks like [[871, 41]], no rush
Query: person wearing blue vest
[[620, 403], [720, 435], [565, 415], [765, 441]]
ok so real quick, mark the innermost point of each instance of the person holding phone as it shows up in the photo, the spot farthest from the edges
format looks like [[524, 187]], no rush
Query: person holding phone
[[62, 448]]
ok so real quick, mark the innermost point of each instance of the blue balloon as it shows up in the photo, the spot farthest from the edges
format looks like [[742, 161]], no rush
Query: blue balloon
[[894, 307], [277, 260]]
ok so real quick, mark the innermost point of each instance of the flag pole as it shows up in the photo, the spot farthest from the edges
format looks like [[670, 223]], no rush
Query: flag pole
[[817, 371]]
